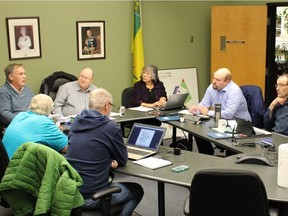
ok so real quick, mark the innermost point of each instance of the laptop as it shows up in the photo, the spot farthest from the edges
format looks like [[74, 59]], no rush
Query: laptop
[[174, 103], [144, 140], [244, 127], [278, 139]]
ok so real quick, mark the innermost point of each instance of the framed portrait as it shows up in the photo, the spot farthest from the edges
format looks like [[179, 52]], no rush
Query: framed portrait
[[91, 40], [23, 37]]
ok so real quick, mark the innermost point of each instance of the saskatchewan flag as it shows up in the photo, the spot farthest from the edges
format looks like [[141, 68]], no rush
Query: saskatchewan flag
[[137, 42]]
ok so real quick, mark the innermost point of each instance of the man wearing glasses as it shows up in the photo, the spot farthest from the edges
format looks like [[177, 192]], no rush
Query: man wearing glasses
[[95, 148], [276, 116], [73, 97]]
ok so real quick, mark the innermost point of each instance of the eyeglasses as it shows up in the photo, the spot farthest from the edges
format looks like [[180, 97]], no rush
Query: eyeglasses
[[111, 104], [280, 85]]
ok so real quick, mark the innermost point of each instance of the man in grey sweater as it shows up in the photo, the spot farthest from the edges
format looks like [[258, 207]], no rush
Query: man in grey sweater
[[15, 95]]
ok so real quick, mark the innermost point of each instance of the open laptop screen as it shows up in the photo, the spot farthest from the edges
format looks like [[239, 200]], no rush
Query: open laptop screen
[[146, 136]]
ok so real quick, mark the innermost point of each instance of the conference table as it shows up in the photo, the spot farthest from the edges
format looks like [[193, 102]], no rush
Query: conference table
[[197, 161], [202, 130]]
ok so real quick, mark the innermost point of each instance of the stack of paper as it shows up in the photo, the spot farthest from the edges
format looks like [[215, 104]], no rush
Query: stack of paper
[[152, 162]]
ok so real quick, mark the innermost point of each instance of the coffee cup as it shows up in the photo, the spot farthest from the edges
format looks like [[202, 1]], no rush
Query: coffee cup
[[222, 123]]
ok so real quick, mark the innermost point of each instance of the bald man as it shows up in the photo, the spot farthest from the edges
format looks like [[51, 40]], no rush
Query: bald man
[[73, 97], [224, 91]]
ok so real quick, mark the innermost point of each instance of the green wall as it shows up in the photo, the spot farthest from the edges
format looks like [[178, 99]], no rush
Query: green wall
[[167, 29]]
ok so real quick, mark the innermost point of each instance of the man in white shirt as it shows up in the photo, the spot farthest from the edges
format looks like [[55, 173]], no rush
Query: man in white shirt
[[73, 97]]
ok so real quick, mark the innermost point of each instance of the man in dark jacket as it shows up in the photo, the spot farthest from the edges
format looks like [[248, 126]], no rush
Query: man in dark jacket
[[275, 119], [95, 147]]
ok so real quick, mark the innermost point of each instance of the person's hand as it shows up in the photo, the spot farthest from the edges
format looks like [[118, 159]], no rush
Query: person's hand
[[114, 164], [277, 101], [194, 110], [162, 101], [156, 104], [203, 110]]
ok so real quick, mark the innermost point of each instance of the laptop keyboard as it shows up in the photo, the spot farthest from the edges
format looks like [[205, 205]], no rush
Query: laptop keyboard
[[137, 151]]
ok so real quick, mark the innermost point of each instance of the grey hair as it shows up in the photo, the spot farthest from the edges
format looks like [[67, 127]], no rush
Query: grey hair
[[41, 104], [154, 72], [10, 68], [98, 98], [283, 75]]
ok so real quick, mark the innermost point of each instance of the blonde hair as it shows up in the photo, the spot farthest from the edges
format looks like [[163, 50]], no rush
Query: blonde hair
[[41, 104]]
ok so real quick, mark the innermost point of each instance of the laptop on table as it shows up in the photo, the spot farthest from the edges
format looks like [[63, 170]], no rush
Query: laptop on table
[[278, 139], [174, 103], [144, 140]]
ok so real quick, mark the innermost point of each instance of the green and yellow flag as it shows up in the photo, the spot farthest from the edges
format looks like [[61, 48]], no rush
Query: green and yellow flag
[[137, 43]]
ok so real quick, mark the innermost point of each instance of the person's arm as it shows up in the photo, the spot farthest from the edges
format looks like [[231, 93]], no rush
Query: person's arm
[[119, 150], [136, 100], [163, 94], [52, 136], [60, 100], [28, 42], [232, 100], [6, 113], [269, 119]]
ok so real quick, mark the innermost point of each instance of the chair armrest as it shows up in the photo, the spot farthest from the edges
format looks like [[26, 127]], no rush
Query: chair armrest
[[186, 206], [106, 192]]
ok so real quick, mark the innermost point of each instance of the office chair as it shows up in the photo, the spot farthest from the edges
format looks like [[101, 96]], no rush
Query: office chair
[[255, 103], [22, 189], [4, 161], [51, 84], [227, 192], [126, 101]]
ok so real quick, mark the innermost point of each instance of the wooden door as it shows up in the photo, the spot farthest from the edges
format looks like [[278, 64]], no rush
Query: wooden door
[[238, 42]]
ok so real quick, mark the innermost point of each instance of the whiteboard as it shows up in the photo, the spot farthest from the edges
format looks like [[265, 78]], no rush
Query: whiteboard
[[179, 81]]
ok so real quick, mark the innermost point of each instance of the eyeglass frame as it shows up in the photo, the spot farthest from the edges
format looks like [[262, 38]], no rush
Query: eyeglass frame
[[280, 85]]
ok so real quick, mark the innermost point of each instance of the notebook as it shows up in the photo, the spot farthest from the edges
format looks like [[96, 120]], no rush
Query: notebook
[[144, 140], [174, 103], [279, 139]]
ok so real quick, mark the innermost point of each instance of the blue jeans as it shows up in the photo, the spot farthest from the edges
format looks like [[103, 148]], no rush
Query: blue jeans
[[130, 195]]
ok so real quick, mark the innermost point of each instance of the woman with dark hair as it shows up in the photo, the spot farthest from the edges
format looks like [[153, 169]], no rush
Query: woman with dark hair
[[149, 91]]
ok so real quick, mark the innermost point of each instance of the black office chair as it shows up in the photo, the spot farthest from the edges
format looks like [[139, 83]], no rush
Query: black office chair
[[227, 192], [255, 103], [4, 160], [104, 195], [51, 84], [126, 101]]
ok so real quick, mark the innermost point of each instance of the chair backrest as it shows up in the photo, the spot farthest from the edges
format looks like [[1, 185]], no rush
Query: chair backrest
[[126, 97], [255, 103], [227, 192], [51, 84], [4, 160]]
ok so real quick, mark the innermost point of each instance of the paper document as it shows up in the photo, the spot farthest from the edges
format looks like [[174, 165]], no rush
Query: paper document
[[141, 108], [152, 162], [112, 114]]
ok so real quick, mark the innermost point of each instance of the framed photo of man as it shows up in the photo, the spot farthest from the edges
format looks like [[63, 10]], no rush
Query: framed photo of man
[[23, 37], [91, 40]]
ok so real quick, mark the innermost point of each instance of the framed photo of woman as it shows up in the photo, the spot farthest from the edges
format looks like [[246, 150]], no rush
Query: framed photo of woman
[[91, 39], [23, 37]]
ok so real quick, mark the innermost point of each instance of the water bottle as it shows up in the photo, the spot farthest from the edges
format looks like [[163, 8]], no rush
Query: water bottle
[[217, 113], [122, 111]]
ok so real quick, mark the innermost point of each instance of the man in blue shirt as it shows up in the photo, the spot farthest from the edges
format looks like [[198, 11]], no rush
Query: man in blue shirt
[[227, 93], [276, 116]]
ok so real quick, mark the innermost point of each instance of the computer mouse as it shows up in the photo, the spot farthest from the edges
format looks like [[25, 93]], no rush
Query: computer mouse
[[254, 159]]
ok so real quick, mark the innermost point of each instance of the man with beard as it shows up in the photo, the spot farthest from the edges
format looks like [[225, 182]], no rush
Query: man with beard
[[222, 91]]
